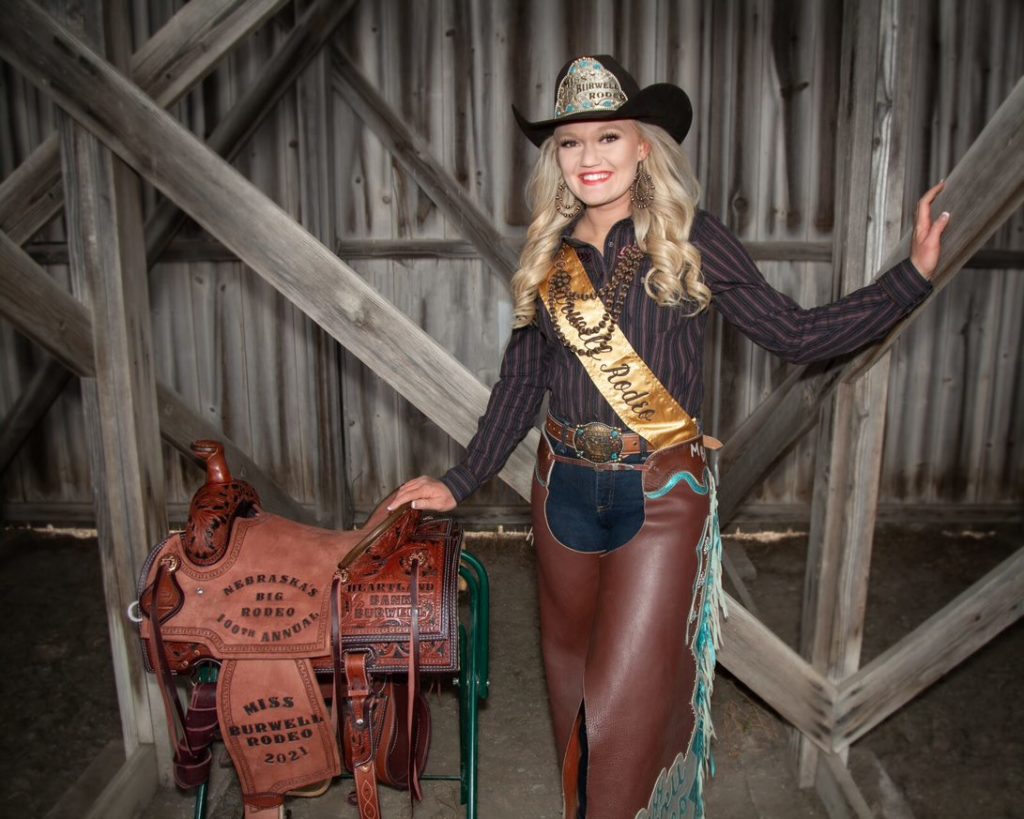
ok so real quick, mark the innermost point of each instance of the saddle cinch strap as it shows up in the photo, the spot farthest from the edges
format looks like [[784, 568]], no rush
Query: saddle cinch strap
[[376, 747], [255, 596]]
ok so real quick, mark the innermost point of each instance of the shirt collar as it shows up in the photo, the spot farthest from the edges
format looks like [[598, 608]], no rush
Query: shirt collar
[[622, 232]]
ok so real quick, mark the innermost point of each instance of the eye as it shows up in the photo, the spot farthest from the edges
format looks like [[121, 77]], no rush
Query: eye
[[567, 142], [609, 136]]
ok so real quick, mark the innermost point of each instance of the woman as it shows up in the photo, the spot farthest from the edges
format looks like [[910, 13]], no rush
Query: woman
[[610, 299]]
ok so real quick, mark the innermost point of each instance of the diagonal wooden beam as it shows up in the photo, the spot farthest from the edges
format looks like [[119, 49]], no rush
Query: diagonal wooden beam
[[415, 155], [32, 193], [51, 317], [189, 46], [174, 59], [777, 674], [231, 208], [984, 188], [43, 311], [42, 390], [303, 43], [939, 644], [767, 433]]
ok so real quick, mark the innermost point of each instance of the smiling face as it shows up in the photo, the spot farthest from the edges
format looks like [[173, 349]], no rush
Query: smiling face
[[598, 162]]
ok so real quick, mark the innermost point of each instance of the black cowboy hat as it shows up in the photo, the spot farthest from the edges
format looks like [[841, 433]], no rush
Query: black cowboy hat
[[598, 88]]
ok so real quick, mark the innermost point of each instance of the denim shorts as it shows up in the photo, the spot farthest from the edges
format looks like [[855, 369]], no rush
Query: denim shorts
[[593, 510]]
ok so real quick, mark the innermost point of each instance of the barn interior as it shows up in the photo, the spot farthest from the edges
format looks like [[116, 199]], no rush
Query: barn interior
[[290, 225]]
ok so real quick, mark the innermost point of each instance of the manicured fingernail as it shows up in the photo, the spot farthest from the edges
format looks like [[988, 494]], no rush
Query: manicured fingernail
[[945, 214]]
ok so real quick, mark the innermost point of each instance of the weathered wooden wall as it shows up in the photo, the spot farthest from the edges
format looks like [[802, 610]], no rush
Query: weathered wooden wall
[[955, 429], [764, 80], [223, 337]]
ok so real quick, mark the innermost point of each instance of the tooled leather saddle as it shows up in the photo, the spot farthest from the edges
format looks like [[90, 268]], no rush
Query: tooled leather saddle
[[295, 616]]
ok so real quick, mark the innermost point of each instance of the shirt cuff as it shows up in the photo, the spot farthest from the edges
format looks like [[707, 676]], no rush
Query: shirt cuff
[[460, 482], [905, 285]]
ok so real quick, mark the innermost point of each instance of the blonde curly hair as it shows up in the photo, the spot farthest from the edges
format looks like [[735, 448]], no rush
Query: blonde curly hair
[[662, 229]]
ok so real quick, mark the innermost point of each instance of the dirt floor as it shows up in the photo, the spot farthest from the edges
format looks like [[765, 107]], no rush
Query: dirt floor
[[956, 751]]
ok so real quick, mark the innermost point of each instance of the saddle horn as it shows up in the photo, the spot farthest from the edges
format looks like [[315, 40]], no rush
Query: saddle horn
[[215, 505]]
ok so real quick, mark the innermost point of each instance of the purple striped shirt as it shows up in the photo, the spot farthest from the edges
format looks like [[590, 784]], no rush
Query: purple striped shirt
[[671, 342]]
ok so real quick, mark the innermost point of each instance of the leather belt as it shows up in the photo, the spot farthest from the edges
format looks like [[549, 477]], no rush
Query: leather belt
[[596, 442]]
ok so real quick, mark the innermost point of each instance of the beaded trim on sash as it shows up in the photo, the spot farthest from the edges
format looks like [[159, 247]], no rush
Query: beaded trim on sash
[[622, 377], [679, 791]]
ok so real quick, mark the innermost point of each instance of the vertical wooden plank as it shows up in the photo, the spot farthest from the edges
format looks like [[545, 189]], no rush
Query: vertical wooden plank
[[378, 421], [315, 115], [360, 164], [473, 138], [861, 22], [174, 337], [109, 273], [793, 64], [52, 466], [459, 125], [230, 353], [8, 107], [838, 792], [999, 464], [294, 423], [407, 76], [879, 58]]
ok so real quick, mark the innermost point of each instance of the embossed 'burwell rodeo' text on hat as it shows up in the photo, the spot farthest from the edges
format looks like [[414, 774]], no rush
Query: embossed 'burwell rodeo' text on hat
[[598, 88]]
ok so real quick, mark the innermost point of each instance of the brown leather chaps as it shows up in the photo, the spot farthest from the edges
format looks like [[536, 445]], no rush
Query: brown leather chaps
[[615, 638]]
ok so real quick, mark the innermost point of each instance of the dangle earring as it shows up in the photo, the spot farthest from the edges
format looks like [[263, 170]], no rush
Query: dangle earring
[[641, 192], [568, 211]]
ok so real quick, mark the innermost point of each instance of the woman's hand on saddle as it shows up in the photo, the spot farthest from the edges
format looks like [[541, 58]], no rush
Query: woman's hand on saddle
[[424, 493], [924, 249]]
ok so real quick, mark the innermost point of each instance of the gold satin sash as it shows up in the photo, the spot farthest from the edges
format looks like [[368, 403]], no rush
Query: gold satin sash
[[618, 372]]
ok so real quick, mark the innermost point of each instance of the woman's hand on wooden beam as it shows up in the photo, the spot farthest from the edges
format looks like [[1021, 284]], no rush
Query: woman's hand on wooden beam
[[927, 241]]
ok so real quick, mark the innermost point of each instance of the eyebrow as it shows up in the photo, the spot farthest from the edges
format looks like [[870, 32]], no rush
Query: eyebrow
[[574, 134]]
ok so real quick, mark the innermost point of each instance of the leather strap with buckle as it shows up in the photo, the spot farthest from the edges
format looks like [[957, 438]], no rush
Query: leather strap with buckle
[[596, 442], [588, 441]]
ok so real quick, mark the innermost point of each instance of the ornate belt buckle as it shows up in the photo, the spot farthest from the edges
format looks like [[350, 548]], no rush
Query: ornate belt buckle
[[598, 443]]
